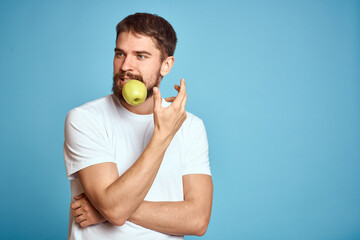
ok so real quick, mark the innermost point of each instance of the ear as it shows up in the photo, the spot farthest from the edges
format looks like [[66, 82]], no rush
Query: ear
[[167, 65]]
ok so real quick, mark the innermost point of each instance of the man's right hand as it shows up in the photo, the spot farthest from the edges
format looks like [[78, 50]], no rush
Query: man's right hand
[[168, 120]]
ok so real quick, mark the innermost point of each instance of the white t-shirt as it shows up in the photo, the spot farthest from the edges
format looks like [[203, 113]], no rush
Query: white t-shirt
[[104, 131]]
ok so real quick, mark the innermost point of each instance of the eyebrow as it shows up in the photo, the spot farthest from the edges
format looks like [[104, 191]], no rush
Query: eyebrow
[[137, 52], [143, 52]]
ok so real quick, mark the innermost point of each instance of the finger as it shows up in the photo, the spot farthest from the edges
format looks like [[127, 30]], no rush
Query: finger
[[75, 205], [182, 93], [183, 103], [77, 197], [170, 99], [77, 212], [80, 219], [157, 98], [85, 223], [177, 87]]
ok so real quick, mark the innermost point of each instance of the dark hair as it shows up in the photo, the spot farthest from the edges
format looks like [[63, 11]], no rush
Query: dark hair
[[153, 26]]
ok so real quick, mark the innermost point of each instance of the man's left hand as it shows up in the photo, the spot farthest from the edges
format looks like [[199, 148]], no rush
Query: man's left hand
[[84, 212]]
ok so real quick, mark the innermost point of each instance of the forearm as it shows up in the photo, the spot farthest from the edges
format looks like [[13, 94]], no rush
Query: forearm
[[175, 218], [188, 217], [123, 195]]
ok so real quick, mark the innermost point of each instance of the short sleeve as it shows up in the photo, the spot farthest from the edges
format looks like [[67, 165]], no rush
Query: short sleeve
[[85, 142], [196, 157]]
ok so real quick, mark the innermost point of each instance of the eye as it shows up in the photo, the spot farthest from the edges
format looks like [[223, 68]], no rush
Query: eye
[[119, 54], [142, 57]]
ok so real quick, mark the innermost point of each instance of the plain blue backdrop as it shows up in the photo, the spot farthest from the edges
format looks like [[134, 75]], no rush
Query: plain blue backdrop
[[277, 84]]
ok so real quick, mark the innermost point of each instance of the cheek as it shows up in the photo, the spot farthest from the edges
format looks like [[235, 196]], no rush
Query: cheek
[[154, 69], [116, 65]]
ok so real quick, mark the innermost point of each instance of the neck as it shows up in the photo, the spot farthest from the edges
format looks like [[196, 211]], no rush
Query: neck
[[145, 108]]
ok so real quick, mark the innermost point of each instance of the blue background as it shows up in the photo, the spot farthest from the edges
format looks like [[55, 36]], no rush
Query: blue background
[[276, 83]]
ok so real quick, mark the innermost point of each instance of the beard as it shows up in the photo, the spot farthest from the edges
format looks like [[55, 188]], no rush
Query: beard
[[117, 88]]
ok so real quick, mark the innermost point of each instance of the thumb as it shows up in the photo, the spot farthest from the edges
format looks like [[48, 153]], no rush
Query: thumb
[[157, 98]]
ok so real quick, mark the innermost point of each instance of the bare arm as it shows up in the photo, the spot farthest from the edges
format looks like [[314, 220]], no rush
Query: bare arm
[[117, 197], [188, 217]]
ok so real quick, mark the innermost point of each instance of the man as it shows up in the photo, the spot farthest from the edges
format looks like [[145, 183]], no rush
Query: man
[[143, 170]]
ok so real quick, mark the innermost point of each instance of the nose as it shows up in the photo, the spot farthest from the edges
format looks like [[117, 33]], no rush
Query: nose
[[127, 64]]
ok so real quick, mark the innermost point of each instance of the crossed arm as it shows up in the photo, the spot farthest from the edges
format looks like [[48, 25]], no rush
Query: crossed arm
[[117, 199], [188, 217]]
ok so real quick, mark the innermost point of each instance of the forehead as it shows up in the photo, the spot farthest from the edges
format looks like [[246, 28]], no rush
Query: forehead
[[130, 41]]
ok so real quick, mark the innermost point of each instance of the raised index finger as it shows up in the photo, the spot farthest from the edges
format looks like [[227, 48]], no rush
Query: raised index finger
[[182, 93]]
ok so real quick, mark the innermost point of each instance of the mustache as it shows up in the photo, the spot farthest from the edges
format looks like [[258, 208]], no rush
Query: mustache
[[122, 75]]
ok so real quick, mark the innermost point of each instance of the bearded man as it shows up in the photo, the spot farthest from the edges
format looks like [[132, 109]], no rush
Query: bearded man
[[138, 172]]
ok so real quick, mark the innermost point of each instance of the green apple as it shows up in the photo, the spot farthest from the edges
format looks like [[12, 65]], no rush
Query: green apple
[[134, 92]]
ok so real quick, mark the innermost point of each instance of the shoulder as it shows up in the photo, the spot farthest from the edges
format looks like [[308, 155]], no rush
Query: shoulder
[[90, 119], [193, 119], [193, 123], [92, 110]]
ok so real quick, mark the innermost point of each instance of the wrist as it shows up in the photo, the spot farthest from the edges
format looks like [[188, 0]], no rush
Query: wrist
[[160, 139]]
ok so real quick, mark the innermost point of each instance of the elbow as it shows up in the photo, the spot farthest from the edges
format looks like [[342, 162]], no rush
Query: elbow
[[115, 217], [116, 214], [201, 226], [117, 221], [201, 231]]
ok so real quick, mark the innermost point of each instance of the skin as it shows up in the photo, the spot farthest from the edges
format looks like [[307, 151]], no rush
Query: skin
[[114, 198]]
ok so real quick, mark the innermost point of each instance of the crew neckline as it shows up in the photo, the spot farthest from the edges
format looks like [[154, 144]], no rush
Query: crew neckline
[[123, 110]]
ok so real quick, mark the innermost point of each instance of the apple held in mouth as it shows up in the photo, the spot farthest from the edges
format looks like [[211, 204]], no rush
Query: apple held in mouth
[[134, 92]]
